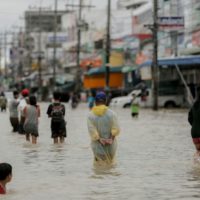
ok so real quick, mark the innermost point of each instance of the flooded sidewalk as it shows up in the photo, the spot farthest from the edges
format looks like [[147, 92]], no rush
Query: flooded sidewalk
[[154, 159]]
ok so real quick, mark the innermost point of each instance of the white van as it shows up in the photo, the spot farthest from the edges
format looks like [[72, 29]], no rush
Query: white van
[[164, 100]]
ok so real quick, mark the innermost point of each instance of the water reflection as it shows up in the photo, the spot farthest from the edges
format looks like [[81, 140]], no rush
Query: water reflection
[[31, 153], [107, 184], [195, 173], [57, 159], [193, 184], [105, 169], [56, 153]]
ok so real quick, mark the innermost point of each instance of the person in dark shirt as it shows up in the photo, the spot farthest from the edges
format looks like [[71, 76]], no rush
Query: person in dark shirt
[[194, 120], [56, 111], [3, 102], [74, 100]]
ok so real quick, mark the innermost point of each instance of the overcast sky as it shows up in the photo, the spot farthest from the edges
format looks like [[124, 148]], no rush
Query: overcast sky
[[12, 11]]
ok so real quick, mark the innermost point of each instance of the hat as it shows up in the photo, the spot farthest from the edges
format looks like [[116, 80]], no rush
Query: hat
[[101, 96], [25, 92]]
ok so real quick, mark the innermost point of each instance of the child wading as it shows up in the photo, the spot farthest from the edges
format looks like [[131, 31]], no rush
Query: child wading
[[5, 176], [134, 106], [31, 114], [56, 111]]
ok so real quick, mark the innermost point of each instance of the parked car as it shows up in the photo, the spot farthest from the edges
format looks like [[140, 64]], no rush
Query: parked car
[[124, 101], [164, 99]]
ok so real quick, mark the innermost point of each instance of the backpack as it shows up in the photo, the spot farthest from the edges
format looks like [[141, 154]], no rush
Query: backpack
[[57, 113]]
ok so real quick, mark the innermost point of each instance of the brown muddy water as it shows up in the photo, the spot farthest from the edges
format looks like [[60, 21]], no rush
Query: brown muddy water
[[154, 160]]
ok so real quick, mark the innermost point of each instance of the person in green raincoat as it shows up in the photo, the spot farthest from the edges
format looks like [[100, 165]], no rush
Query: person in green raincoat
[[103, 128], [134, 106]]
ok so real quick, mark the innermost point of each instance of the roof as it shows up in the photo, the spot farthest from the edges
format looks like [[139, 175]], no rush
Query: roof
[[101, 70], [190, 60]]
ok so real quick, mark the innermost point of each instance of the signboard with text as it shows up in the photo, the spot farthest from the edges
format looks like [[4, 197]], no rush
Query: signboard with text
[[171, 23]]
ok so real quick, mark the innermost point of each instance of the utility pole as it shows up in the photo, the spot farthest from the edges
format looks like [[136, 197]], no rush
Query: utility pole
[[5, 54], [78, 77], [39, 53], [29, 43], [79, 26], [107, 74], [154, 67], [55, 43], [174, 41], [0, 57]]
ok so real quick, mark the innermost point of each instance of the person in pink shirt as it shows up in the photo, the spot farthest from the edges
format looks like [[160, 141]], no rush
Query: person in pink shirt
[[5, 176]]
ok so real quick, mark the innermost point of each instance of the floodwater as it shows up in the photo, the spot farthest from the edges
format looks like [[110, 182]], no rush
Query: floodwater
[[154, 160]]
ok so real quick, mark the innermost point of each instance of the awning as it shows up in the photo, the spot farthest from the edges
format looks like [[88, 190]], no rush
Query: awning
[[102, 70], [127, 69], [190, 51], [190, 60]]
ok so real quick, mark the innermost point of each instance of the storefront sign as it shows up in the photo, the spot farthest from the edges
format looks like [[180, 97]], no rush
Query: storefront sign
[[146, 73], [171, 23]]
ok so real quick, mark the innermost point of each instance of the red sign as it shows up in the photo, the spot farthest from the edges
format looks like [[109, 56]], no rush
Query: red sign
[[196, 38], [140, 58]]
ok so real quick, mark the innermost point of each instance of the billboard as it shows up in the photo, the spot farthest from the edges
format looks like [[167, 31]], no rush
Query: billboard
[[171, 23]]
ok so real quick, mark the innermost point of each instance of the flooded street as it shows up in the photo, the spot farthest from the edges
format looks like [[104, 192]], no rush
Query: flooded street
[[154, 160]]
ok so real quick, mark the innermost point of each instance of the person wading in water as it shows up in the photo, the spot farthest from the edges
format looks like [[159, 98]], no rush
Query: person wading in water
[[103, 128]]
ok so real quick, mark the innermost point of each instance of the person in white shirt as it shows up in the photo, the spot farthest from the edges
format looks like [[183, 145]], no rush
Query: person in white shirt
[[13, 109], [22, 105]]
